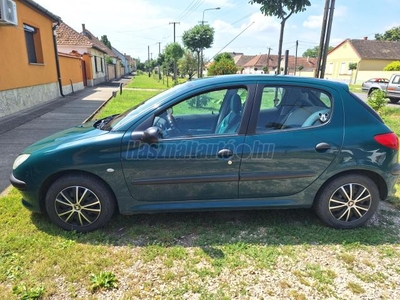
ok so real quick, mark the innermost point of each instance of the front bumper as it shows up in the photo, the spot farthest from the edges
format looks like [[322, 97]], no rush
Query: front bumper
[[18, 184]]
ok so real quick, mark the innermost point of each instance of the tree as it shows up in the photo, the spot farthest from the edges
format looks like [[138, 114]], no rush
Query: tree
[[313, 52], [277, 8], [173, 52], [352, 66], [105, 41], [393, 66], [223, 55], [223, 64], [389, 35], [197, 38], [187, 64]]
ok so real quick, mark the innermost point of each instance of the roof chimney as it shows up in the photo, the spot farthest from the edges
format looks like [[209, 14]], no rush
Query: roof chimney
[[83, 27], [365, 38]]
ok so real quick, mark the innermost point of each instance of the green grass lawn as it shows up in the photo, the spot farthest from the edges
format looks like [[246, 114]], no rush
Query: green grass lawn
[[280, 254], [355, 88], [126, 100], [152, 82]]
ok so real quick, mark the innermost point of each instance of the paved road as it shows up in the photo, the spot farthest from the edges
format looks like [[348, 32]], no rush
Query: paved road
[[24, 128]]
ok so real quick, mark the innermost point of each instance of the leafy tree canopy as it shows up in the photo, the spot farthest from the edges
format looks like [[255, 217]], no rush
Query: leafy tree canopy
[[313, 52], [223, 66], [282, 9], [188, 64], [105, 41], [393, 66], [173, 51], [389, 35], [198, 37], [225, 55]]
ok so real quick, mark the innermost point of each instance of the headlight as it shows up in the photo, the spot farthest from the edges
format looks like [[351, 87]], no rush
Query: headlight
[[19, 160]]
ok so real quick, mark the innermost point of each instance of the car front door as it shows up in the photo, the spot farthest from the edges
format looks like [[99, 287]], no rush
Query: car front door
[[295, 134], [194, 159]]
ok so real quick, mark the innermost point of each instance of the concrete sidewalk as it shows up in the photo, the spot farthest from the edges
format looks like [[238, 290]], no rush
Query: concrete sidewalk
[[21, 129]]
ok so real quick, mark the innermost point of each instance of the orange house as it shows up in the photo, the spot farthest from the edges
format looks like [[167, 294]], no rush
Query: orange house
[[29, 68]]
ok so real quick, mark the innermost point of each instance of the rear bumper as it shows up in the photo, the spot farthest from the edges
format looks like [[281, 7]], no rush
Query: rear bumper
[[395, 170]]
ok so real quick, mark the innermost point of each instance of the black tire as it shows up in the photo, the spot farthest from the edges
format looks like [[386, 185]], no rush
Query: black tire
[[393, 100], [94, 209], [347, 202]]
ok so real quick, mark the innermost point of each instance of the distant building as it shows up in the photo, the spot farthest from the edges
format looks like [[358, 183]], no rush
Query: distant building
[[369, 55]]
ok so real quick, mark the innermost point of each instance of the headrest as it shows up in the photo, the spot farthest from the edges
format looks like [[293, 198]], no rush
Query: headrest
[[236, 103]]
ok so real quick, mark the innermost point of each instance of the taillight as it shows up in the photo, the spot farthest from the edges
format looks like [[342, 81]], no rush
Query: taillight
[[389, 140]]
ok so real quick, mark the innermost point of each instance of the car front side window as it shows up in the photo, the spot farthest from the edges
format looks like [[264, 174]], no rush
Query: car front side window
[[208, 113]]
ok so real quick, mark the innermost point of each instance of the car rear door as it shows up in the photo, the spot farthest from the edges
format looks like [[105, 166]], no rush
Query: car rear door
[[295, 133]]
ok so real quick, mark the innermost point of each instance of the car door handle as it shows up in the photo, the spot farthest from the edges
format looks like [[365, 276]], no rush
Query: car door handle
[[321, 147], [225, 153]]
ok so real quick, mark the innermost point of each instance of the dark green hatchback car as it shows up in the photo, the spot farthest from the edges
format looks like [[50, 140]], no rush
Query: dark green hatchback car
[[228, 142]]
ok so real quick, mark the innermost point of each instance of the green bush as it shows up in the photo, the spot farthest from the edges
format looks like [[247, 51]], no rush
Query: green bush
[[393, 66], [377, 100]]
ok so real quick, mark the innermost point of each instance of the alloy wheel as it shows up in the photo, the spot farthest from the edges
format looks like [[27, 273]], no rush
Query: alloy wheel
[[78, 206], [350, 202]]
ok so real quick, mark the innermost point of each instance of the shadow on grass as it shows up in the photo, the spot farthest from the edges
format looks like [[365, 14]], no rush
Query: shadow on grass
[[209, 229]]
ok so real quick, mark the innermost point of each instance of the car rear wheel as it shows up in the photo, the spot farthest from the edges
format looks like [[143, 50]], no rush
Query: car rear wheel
[[79, 202], [393, 100], [347, 202]]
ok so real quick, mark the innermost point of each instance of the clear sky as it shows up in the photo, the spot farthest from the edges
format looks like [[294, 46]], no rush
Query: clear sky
[[133, 25]]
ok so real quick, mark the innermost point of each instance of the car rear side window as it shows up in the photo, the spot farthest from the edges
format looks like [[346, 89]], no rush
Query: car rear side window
[[289, 107]]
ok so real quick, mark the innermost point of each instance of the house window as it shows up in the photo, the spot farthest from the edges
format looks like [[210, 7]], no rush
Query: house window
[[95, 65], [330, 68], [343, 69], [102, 64], [33, 44]]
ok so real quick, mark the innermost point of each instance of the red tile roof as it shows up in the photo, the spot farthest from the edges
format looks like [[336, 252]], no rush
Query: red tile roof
[[96, 42], [67, 36]]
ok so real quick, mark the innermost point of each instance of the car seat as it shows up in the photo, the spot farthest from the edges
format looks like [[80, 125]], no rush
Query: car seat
[[231, 122]]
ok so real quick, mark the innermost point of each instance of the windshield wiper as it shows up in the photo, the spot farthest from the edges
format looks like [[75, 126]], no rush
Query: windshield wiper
[[99, 124]]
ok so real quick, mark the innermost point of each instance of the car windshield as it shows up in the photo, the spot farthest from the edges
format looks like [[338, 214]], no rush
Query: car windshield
[[153, 102]]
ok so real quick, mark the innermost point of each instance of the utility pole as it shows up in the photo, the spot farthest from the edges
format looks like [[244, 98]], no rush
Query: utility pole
[[174, 23], [325, 37], [268, 57], [201, 55], [159, 68], [286, 62], [148, 58], [175, 69], [295, 58]]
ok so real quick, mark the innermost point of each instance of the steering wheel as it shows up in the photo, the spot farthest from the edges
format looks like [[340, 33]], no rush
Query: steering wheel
[[173, 124]]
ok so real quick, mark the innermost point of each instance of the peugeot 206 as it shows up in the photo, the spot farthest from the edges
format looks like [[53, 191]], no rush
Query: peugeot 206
[[231, 142]]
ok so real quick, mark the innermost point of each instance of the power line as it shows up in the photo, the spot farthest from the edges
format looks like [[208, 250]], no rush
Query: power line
[[233, 39]]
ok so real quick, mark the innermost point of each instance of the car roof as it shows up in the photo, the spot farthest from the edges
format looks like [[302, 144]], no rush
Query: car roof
[[281, 79]]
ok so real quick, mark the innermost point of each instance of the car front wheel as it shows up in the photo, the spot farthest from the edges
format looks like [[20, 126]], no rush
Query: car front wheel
[[347, 202], [79, 202]]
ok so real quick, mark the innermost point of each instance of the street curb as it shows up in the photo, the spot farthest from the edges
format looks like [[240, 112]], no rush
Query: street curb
[[97, 110]]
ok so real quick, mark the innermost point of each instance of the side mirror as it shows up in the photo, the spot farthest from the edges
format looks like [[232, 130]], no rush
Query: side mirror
[[151, 135]]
